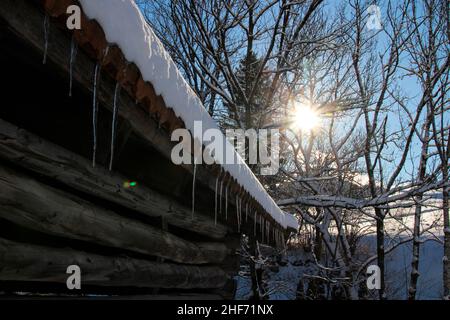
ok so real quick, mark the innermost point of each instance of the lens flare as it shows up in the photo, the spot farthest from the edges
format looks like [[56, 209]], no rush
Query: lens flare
[[305, 118], [129, 184]]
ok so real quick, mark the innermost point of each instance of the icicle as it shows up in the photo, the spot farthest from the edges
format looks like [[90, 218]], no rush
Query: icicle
[[237, 211], [265, 231], [270, 225], [193, 188], [46, 32], [246, 212], [260, 223], [105, 52], [262, 231], [215, 200], [220, 196], [94, 114], [114, 124], [240, 214], [254, 227], [275, 236], [278, 239], [73, 55], [226, 201]]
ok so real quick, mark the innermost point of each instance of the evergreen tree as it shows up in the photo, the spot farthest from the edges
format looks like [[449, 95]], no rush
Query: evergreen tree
[[250, 103]]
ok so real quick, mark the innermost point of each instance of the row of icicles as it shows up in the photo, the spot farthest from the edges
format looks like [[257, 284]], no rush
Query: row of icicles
[[221, 190], [73, 53], [265, 227]]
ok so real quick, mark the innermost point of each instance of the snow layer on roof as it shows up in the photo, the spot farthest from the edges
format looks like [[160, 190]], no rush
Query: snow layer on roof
[[124, 25]]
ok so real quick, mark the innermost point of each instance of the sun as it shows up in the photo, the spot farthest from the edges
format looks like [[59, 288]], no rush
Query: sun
[[305, 118]]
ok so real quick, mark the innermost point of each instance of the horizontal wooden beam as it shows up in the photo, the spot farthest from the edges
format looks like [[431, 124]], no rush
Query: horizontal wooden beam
[[31, 204], [31, 152], [26, 262], [168, 296]]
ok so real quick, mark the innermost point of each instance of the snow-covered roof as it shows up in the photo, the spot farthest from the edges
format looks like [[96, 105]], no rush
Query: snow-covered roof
[[125, 26]]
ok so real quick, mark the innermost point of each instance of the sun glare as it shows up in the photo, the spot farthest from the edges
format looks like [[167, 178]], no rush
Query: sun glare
[[305, 118]]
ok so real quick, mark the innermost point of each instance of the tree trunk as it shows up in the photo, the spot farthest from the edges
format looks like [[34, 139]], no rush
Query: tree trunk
[[418, 211], [380, 252], [412, 290], [446, 213]]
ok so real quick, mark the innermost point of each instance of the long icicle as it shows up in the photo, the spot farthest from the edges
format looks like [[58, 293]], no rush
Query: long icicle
[[95, 113], [238, 200], [215, 198], [265, 230], [275, 237], [260, 223], [114, 124], [240, 214], [46, 32], [254, 227], [226, 201], [262, 230], [73, 55], [267, 240], [274, 234], [246, 211], [220, 195], [237, 210], [193, 188]]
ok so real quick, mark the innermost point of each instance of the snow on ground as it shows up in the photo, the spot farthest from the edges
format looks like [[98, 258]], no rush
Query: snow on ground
[[282, 284], [398, 268], [124, 25], [281, 280]]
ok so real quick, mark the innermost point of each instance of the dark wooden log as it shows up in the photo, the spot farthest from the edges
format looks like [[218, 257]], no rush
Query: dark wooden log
[[29, 151], [231, 265], [31, 204], [168, 296], [26, 262]]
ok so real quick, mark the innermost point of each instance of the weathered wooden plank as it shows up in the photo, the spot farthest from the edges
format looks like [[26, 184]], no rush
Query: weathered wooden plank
[[31, 204], [26, 262], [168, 296], [29, 151], [231, 265]]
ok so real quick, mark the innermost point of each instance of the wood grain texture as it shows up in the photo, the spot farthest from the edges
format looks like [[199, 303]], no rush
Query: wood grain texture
[[31, 204], [30, 151], [26, 262]]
